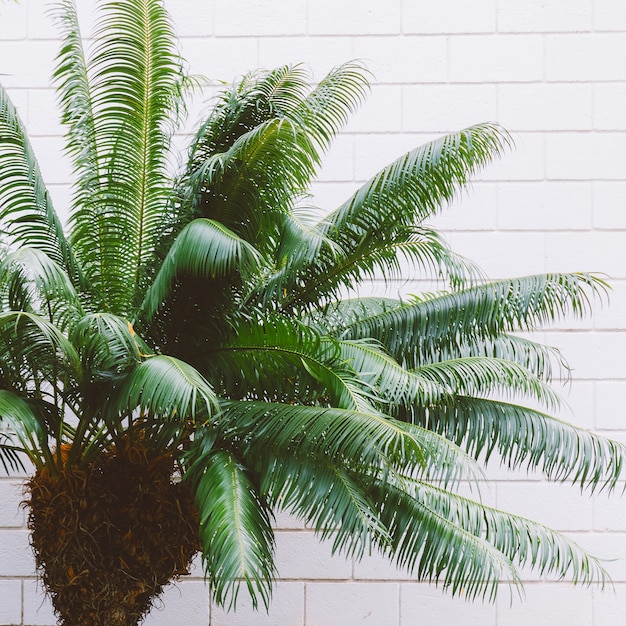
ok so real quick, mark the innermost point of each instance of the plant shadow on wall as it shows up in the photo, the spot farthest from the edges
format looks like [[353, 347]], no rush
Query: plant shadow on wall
[[179, 364]]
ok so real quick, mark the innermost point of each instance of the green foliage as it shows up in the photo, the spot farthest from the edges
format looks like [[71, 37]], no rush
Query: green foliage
[[203, 308]]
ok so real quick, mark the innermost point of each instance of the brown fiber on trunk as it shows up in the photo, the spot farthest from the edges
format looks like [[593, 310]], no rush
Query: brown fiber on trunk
[[107, 538]]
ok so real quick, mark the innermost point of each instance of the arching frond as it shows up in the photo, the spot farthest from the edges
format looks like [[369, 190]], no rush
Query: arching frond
[[31, 281], [329, 498], [235, 530], [26, 211], [134, 90], [386, 208], [326, 109], [107, 345], [248, 186], [526, 437], [518, 539], [204, 248], [477, 375], [475, 313], [34, 354], [168, 388]]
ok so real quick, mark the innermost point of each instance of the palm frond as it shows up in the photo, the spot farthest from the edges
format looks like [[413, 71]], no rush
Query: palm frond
[[250, 185], [478, 312], [135, 85], [433, 548], [34, 355], [388, 207], [327, 108], [526, 437], [168, 388], [11, 455], [26, 210], [107, 345], [18, 415], [517, 539], [329, 498], [204, 248], [478, 375], [33, 282], [235, 529]]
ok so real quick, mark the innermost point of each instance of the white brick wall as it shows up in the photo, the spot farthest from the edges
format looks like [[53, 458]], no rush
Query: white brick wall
[[553, 72]]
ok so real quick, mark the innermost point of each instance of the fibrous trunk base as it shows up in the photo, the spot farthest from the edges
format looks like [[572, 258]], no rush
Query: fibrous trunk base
[[109, 537]]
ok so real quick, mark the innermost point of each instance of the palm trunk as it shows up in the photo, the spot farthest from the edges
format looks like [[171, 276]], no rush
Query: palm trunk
[[107, 538]]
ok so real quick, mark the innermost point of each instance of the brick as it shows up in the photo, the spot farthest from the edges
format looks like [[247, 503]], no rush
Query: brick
[[546, 605], [609, 513], [16, 557], [609, 549], [418, 601], [37, 606], [379, 567], [44, 113], [381, 112], [525, 161], [11, 495], [449, 16], [338, 164], [585, 156], [286, 609], [552, 205], [612, 314], [286, 521], [186, 603], [41, 25], [609, 106], [435, 108], [191, 18], [319, 53], [54, 163], [11, 604], [545, 106], [580, 251], [301, 555], [327, 196], [609, 605], [475, 208], [593, 356], [352, 604], [13, 20], [544, 16], [609, 15], [373, 152], [609, 400], [502, 254], [609, 204], [491, 58], [554, 505], [258, 17], [368, 17], [27, 63], [404, 60], [223, 59], [585, 57]]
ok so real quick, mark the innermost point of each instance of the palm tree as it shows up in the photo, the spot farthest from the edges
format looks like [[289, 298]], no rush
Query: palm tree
[[192, 353]]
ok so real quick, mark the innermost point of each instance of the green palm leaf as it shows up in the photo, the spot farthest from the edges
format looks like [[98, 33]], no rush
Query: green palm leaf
[[387, 208], [166, 387], [476, 313], [235, 530], [204, 248], [26, 209], [135, 84], [524, 436]]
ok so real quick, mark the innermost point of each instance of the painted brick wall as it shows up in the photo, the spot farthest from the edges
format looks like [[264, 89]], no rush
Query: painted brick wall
[[554, 73]]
